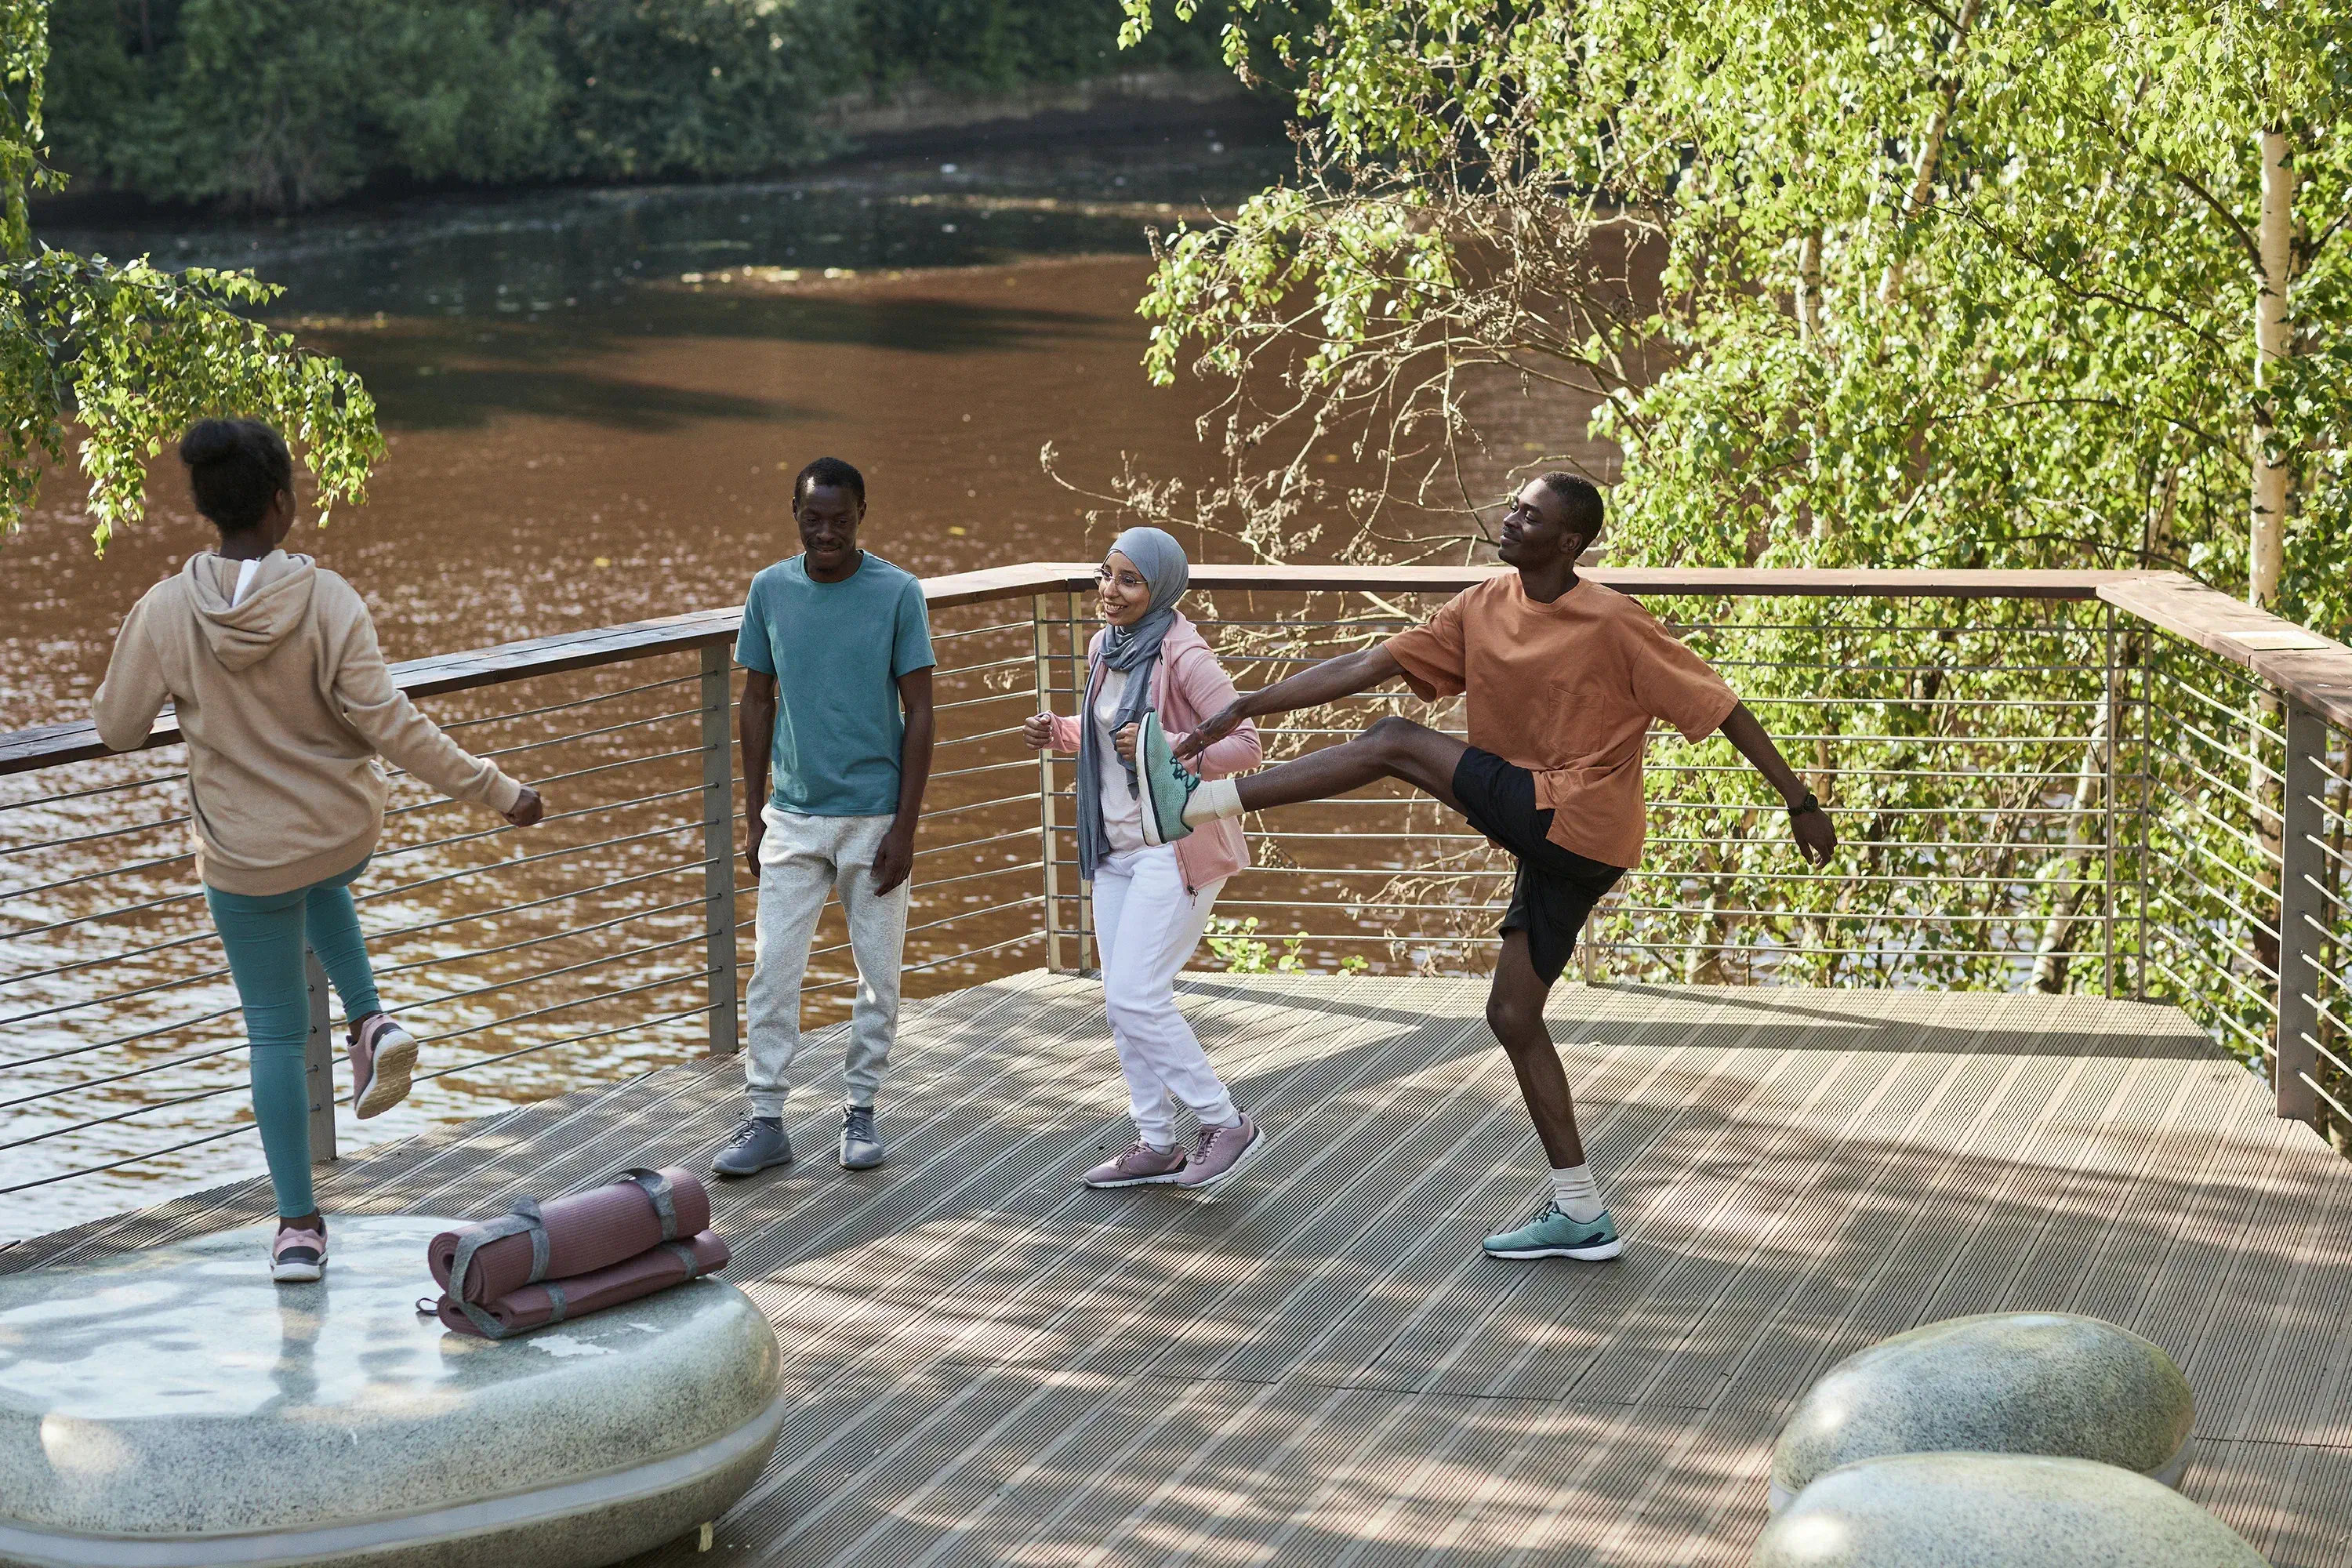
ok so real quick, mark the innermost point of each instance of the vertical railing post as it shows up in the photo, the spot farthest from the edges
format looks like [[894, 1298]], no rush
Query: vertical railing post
[[2302, 916], [1082, 903], [2114, 696], [2144, 840], [318, 1063], [1042, 644], [719, 848]]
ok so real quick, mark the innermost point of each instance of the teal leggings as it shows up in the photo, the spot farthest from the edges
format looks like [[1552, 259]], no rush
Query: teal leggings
[[265, 937]]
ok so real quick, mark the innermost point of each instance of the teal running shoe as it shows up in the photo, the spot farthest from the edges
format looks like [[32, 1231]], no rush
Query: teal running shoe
[[1168, 784], [1552, 1234]]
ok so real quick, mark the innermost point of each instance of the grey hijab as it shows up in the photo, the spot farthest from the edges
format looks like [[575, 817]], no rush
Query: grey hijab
[[1136, 650]]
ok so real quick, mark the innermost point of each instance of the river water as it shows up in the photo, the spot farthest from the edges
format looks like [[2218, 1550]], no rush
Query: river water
[[594, 403]]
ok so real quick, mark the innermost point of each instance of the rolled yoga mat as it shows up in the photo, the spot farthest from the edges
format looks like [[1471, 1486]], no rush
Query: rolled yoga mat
[[580, 1234], [545, 1264], [558, 1301]]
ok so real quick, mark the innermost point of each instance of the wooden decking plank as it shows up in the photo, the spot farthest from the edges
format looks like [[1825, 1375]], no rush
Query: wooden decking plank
[[1802, 1210], [1482, 1316], [1809, 1331], [1435, 1287], [989, 1268], [1711, 1181], [993, 1363], [2257, 1301]]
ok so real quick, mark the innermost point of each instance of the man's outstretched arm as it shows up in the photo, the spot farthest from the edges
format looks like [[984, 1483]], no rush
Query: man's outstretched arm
[[1326, 683], [1816, 837]]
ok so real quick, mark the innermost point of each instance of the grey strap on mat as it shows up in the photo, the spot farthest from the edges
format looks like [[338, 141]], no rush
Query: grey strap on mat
[[656, 1187], [524, 1220]]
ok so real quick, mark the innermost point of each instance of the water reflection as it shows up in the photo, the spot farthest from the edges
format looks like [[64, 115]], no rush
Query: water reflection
[[595, 403]]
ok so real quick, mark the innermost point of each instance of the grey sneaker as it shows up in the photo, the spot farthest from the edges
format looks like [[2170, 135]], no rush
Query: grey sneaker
[[1138, 1165], [1168, 784], [757, 1144], [1552, 1234], [1221, 1151], [861, 1149]]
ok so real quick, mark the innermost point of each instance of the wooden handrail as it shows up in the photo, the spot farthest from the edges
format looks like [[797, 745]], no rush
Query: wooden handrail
[[2305, 666]]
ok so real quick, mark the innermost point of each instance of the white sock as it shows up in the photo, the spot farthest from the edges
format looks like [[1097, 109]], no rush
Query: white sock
[[1214, 801], [1574, 1193]]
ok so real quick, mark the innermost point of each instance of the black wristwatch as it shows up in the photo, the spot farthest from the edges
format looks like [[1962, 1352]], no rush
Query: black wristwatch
[[1810, 803]]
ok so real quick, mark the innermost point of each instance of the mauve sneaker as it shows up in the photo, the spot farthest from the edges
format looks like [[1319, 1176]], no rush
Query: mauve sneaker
[[1221, 1151], [298, 1257], [383, 1056], [1138, 1165]]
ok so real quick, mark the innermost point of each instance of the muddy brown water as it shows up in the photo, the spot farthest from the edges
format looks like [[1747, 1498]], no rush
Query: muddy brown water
[[595, 407]]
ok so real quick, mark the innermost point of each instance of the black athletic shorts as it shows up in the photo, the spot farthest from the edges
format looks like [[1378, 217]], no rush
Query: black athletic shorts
[[1556, 888]]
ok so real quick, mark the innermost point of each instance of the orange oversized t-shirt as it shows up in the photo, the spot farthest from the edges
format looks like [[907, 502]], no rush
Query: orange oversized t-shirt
[[1567, 690]]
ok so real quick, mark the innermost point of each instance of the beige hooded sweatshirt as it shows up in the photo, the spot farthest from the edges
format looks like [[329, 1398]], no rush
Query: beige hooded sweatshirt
[[286, 703]]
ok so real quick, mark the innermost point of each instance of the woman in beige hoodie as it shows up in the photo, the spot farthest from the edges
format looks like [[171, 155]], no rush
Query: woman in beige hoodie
[[285, 703]]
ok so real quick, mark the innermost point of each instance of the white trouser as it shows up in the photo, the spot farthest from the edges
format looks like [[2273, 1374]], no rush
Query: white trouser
[[801, 860], [1145, 926]]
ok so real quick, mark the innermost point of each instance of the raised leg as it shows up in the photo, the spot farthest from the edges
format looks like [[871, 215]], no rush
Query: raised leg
[[1515, 1011], [1390, 748]]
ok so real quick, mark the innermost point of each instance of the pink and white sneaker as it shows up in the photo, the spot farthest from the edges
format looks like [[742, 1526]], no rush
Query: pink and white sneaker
[[1138, 1165], [1222, 1151], [298, 1257], [383, 1056]]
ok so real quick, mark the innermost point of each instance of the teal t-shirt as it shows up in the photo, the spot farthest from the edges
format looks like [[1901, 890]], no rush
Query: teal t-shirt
[[836, 650]]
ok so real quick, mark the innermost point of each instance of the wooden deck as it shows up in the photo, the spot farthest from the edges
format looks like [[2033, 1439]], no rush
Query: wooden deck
[[1001, 1366]]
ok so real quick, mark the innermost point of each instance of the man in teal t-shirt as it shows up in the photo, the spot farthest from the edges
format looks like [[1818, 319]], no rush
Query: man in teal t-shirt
[[837, 713]]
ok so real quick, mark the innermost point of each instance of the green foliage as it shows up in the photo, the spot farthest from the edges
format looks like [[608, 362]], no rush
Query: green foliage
[[703, 88], [1850, 283], [1238, 947], [1931, 287], [1000, 46], [277, 104], [133, 354], [281, 103]]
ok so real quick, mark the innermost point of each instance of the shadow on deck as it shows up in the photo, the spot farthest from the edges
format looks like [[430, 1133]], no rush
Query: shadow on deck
[[1002, 1366]]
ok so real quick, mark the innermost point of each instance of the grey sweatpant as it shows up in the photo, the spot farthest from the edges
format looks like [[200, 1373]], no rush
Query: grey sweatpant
[[801, 860]]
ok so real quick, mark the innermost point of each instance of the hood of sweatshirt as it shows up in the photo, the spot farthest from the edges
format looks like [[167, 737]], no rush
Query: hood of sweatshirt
[[243, 634]]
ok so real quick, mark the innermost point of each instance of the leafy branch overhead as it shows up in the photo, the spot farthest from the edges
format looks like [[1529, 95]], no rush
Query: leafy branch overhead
[[133, 354], [1996, 282]]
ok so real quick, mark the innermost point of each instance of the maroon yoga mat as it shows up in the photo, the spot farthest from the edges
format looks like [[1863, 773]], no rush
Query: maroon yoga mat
[[586, 1231], [534, 1306]]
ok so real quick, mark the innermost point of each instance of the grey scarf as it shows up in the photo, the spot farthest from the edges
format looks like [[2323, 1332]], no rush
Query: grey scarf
[[1136, 650]]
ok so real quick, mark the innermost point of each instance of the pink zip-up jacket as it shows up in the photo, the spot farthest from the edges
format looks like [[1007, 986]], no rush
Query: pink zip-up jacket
[[1188, 685]]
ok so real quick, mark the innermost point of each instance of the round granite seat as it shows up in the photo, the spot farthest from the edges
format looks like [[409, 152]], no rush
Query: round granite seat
[[176, 1407], [1995, 1510], [2007, 1382]]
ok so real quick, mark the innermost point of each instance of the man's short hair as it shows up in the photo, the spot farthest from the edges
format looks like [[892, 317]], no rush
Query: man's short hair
[[832, 473], [1585, 510]]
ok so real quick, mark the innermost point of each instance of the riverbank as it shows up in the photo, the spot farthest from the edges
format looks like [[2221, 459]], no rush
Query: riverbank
[[872, 132]]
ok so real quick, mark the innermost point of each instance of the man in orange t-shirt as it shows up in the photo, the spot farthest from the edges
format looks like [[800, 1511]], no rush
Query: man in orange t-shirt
[[1563, 678]]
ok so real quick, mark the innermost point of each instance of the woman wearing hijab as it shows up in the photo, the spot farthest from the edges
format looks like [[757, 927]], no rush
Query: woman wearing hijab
[[1153, 900]]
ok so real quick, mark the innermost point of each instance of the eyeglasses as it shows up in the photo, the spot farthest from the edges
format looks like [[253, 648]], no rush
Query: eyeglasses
[[1105, 576]]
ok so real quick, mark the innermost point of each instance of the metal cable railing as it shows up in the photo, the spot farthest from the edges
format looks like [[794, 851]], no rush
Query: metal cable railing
[[611, 938], [2037, 784]]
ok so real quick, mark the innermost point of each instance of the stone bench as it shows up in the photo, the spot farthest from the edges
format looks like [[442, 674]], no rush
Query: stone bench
[[176, 1407], [1995, 1510], [2007, 1383]]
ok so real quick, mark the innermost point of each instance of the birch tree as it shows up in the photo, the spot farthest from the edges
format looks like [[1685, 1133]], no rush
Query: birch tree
[[132, 353], [1852, 281], [1984, 283]]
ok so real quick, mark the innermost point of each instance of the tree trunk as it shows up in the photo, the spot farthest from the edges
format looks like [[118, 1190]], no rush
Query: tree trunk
[[1809, 287], [1931, 146], [2274, 340], [2086, 833], [2267, 531]]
